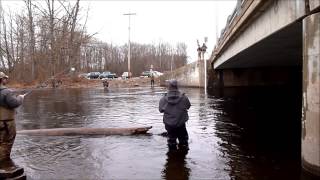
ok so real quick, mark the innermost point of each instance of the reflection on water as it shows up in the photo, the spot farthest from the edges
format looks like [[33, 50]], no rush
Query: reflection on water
[[260, 129], [176, 165], [240, 135]]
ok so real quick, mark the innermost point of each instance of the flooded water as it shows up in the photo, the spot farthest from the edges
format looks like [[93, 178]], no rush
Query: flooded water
[[241, 135]]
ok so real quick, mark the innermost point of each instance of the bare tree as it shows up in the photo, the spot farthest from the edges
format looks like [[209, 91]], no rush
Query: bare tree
[[100, 56], [6, 44], [50, 5], [47, 39], [31, 43], [72, 47], [1, 49]]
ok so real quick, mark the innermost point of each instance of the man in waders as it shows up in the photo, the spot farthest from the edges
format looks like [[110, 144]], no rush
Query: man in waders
[[8, 103], [105, 83], [175, 107], [152, 79]]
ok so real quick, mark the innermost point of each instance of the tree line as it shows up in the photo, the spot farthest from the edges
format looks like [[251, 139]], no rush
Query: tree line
[[99, 56], [49, 37]]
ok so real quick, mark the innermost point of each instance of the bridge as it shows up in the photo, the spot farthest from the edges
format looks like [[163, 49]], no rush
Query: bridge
[[263, 43]]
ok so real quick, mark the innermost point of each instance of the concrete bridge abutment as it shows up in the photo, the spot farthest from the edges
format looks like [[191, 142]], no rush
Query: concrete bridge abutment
[[310, 147], [190, 75]]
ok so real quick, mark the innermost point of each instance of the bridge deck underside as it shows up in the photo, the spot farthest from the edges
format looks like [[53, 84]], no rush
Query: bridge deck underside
[[282, 48]]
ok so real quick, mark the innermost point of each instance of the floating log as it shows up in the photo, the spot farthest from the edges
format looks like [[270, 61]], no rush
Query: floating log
[[85, 131]]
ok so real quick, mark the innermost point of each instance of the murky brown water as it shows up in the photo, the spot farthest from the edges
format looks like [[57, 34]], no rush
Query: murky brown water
[[234, 136]]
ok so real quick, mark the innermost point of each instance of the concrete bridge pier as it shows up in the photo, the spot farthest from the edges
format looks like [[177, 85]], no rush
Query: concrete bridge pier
[[250, 77], [310, 147]]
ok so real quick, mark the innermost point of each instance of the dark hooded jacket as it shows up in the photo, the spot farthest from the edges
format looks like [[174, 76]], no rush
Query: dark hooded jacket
[[175, 107], [7, 99]]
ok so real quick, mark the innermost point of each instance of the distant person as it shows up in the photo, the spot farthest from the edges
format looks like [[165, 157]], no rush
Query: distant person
[[152, 79], [105, 83], [175, 107], [55, 82], [8, 103], [199, 52]]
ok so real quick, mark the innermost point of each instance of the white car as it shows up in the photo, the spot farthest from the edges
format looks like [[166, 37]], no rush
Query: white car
[[125, 75], [84, 75], [157, 73]]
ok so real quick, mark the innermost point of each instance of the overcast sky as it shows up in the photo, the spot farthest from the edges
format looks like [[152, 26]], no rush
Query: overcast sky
[[156, 21]]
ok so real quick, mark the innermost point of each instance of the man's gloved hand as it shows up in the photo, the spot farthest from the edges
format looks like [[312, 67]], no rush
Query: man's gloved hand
[[21, 96]]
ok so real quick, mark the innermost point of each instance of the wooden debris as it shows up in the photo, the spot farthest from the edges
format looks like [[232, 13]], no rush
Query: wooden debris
[[85, 131]]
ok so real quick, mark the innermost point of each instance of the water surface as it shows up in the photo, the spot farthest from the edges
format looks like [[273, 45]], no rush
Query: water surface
[[232, 135]]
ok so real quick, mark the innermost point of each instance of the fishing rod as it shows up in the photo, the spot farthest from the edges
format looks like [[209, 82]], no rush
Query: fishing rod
[[48, 79], [23, 93], [27, 93]]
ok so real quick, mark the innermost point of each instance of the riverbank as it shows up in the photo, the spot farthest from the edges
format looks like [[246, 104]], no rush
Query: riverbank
[[77, 82]]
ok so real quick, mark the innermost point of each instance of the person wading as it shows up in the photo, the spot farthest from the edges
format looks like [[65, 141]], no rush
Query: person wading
[[152, 79], [175, 107], [8, 103]]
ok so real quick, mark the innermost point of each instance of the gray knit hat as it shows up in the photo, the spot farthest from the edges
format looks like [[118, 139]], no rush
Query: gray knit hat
[[173, 84]]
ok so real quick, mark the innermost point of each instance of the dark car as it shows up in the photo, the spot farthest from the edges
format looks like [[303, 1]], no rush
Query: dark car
[[112, 75], [104, 74], [93, 75], [108, 74]]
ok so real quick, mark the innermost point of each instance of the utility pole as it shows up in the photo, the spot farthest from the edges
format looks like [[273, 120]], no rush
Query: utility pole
[[160, 56], [171, 60], [129, 53]]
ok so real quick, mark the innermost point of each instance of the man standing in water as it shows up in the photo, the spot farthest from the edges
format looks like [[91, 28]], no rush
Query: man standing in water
[[152, 79], [175, 107], [8, 103]]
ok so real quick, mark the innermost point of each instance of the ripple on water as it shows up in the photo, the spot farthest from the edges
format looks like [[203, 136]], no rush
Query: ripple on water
[[216, 150]]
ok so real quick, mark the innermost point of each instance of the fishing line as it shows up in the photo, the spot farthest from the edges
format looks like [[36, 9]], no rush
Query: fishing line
[[52, 77]]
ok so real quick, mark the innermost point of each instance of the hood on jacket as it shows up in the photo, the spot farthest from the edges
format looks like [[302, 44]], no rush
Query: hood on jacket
[[173, 96]]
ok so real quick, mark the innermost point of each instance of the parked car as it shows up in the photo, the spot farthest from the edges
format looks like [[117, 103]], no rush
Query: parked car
[[145, 74], [148, 73], [112, 75], [93, 75], [157, 73], [108, 74], [125, 75], [104, 74], [83, 75]]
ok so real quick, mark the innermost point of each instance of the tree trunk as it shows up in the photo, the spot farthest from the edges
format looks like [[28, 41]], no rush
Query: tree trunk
[[32, 39], [1, 49], [51, 26], [72, 33]]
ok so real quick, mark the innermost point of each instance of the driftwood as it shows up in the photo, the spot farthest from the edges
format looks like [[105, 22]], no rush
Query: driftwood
[[85, 131]]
